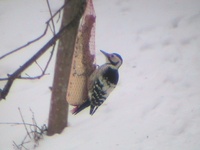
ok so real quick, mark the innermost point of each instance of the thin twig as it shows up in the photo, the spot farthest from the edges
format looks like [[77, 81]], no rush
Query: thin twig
[[51, 55], [34, 132], [15, 123], [43, 71], [15, 145], [58, 11], [24, 123], [59, 16], [26, 75], [23, 142], [54, 29], [39, 66], [35, 77], [3, 79], [23, 46]]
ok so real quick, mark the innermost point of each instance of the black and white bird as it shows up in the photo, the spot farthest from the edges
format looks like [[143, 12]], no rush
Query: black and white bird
[[101, 82]]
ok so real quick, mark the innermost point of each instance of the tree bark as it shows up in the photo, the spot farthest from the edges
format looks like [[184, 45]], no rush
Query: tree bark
[[59, 107]]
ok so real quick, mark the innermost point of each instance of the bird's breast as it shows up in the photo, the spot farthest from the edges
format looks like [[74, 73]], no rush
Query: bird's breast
[[111, 76]]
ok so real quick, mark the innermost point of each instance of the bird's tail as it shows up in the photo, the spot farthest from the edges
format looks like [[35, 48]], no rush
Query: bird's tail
[[81, 107], [93, 109]]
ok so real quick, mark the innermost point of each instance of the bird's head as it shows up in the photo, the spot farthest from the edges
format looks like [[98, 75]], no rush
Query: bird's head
[[114, 59]]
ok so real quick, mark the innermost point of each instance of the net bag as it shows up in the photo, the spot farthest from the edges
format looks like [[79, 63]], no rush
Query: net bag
[[83, 62]]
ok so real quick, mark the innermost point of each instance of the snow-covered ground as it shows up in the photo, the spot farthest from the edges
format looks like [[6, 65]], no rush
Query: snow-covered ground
[[156, 105]]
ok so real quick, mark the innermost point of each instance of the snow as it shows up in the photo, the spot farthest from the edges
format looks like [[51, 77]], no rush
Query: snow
[[157, 102]]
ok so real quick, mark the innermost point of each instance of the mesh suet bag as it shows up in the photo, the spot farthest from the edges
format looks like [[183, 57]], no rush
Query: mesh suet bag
[[83, 63]]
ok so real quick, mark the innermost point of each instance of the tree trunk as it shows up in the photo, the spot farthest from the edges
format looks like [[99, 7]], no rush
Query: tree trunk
[[59, 108]]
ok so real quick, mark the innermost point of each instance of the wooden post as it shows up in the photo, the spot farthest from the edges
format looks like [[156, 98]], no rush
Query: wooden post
[[59, 107]]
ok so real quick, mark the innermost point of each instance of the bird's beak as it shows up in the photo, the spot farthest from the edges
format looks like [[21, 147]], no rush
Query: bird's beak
[[106, 54]]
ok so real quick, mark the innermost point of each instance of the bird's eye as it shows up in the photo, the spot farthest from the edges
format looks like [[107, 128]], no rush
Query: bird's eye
[[111, 55]]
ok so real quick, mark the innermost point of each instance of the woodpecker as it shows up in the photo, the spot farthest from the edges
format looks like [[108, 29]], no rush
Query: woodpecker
[[101, 82]]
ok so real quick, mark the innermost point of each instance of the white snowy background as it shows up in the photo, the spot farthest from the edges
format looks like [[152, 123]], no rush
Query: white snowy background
[[156, 105]]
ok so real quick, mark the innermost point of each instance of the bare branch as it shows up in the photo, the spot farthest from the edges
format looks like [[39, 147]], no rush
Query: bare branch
[[42, 70], [52, 41], [17, 73], [44, 33]]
